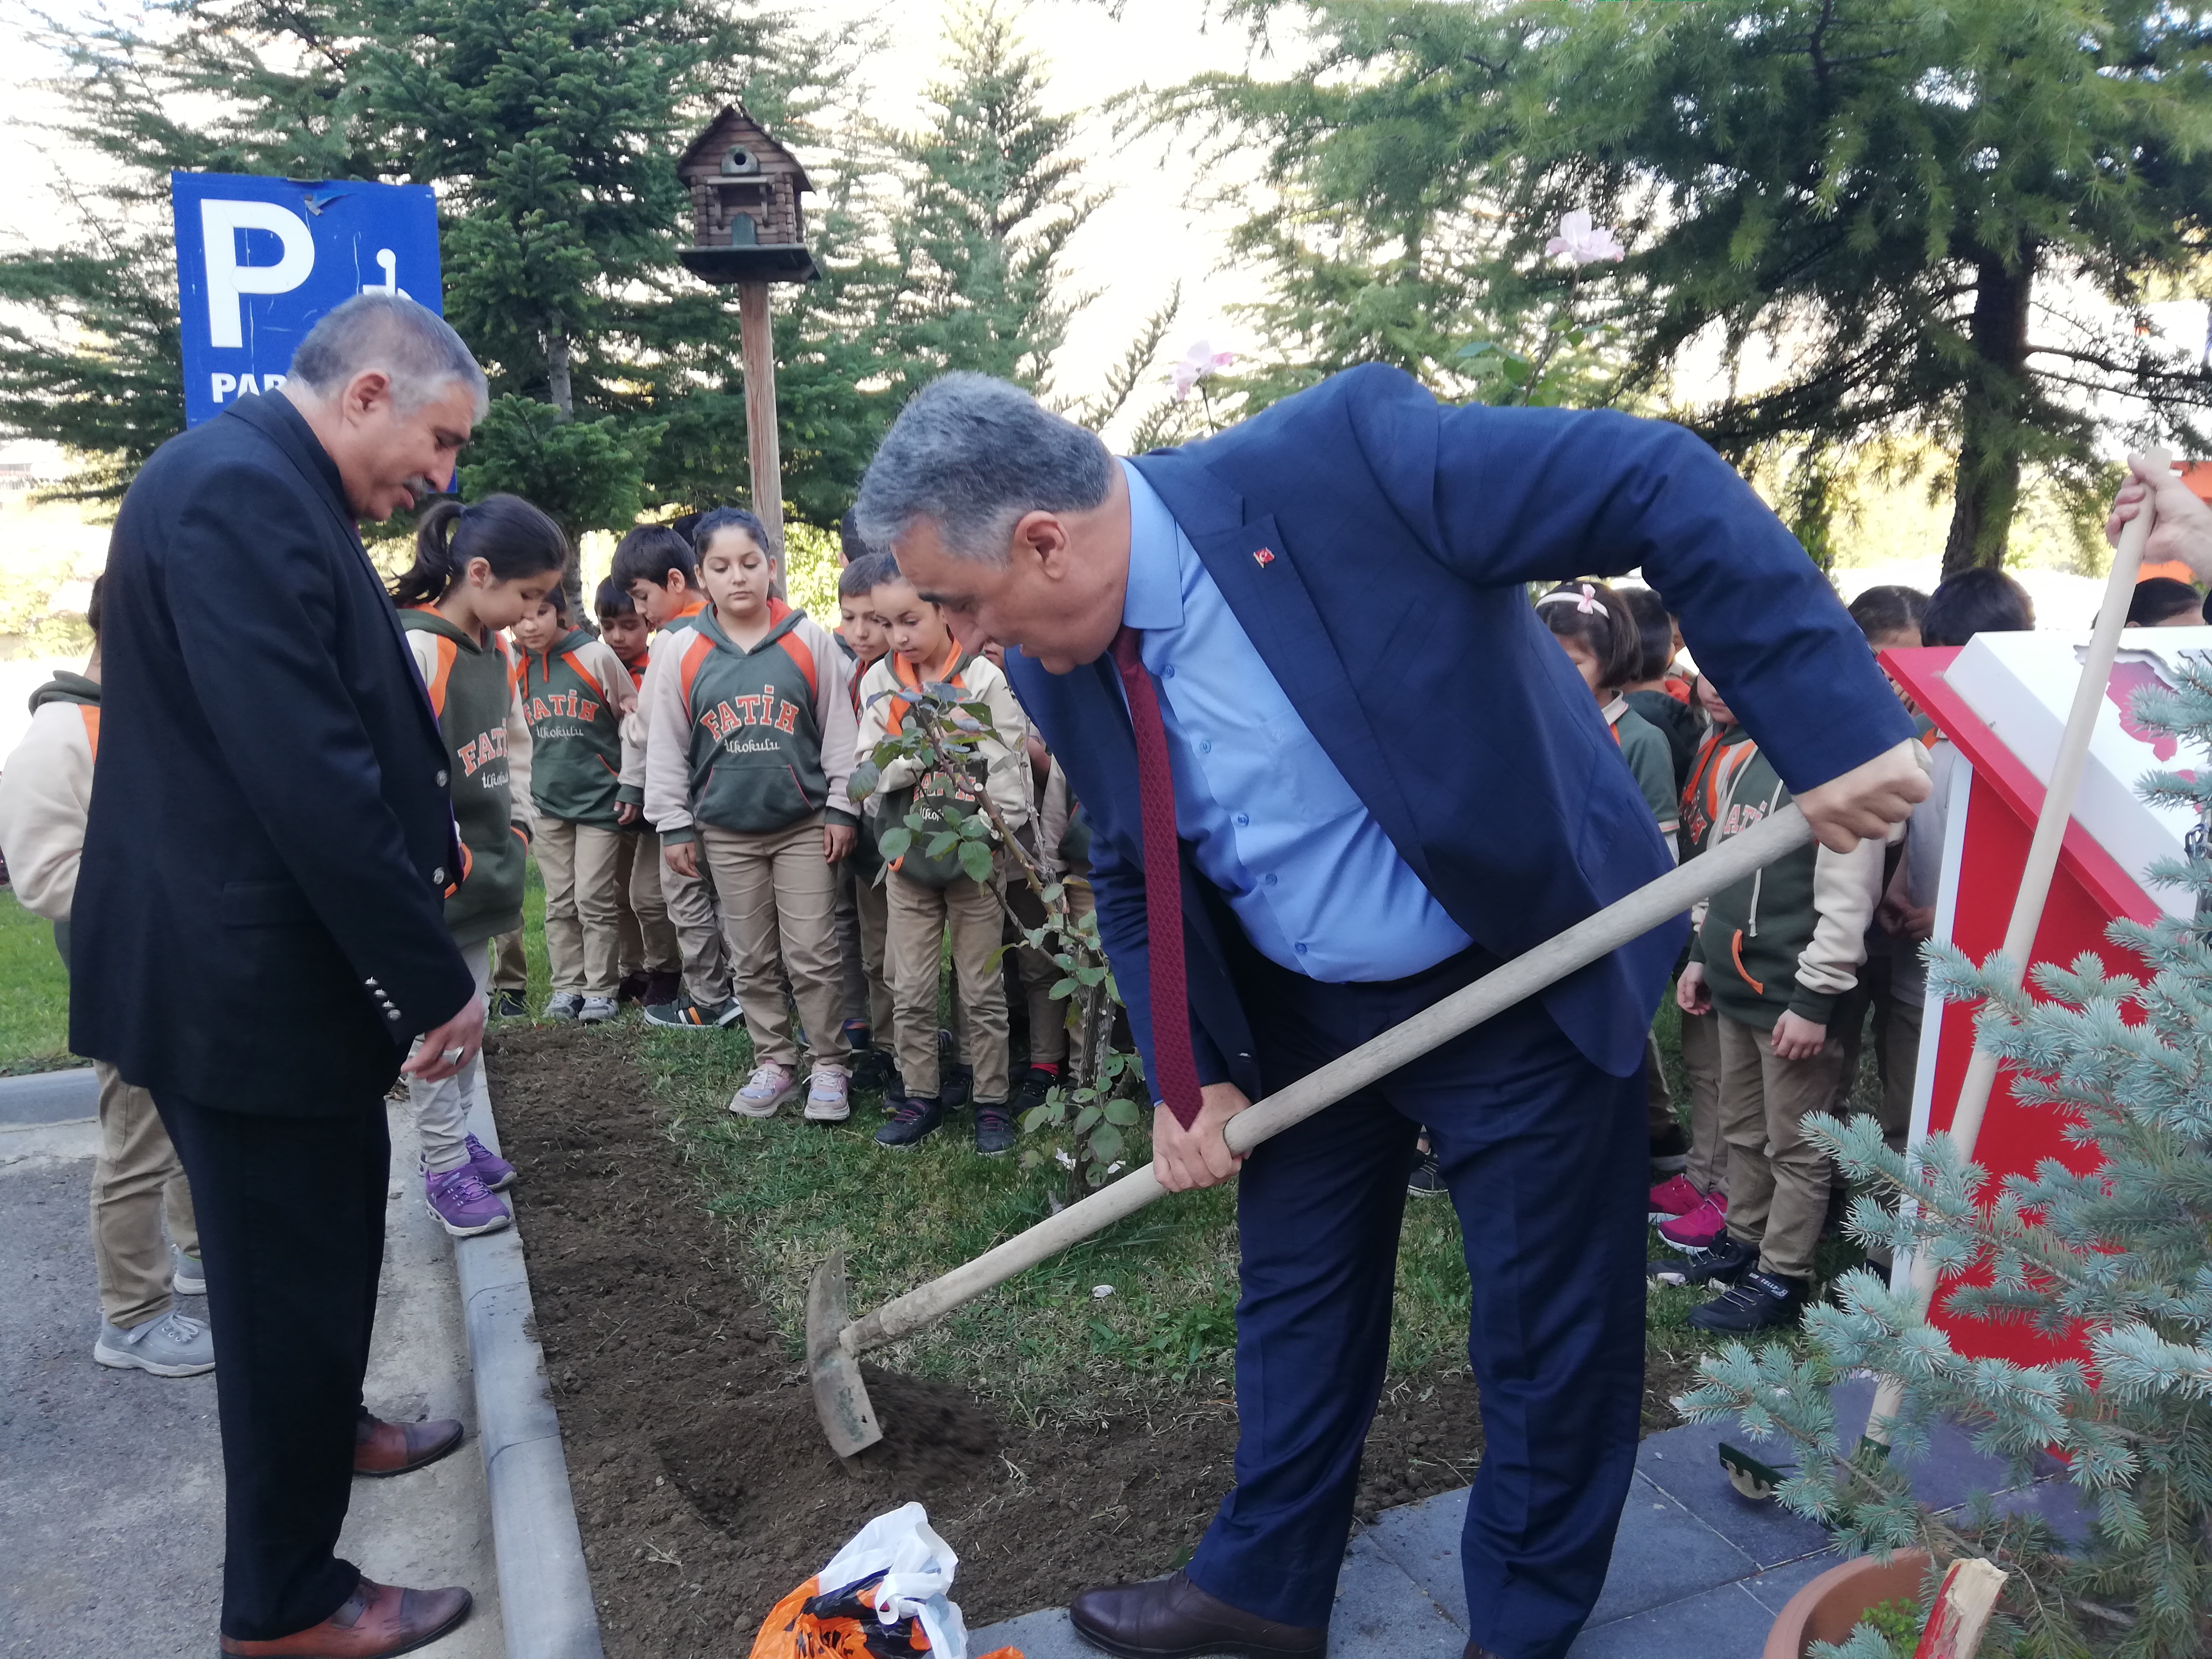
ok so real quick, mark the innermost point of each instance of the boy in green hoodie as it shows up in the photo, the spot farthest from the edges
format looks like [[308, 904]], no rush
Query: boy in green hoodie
[[573, 690], [1771, 956]]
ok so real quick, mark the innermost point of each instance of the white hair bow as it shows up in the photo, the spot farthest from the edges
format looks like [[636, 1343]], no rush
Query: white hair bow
[[1586, 604]]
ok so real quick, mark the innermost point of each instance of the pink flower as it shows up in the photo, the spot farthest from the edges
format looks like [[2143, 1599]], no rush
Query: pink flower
[[1581, 243], [1196, 365]]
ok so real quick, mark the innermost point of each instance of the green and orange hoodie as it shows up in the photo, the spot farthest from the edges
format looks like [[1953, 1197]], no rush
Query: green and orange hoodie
[[666, 645], [573, 696], [884, 706], [472, 684], [1789, 939], [752, 740]]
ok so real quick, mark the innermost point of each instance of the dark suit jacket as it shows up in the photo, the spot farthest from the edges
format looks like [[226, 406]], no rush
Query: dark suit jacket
[[258, 922], [1393, 616]]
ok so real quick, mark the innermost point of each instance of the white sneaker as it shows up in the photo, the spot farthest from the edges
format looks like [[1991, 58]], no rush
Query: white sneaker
[[564, 1005], [598, 1011], [186, 1276], [169, 1345], [828, 1092], [767, 1088]]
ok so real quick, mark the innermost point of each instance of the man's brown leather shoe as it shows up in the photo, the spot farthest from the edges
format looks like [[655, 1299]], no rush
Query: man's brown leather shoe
[[1172, 1617], [376, 1621], [380, 1448]]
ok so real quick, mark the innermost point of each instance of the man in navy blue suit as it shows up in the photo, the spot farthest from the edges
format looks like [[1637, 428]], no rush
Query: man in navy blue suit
[[1337, 769]]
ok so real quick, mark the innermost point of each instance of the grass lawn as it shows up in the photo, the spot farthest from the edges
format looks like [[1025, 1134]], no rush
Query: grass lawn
[[33, 993]]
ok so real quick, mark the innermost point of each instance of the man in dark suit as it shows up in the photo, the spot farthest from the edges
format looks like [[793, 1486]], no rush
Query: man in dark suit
[[1336, 769], [259, 930]]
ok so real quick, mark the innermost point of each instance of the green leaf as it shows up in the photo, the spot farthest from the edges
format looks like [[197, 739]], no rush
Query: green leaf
[[974, 827], [1474, 349], [1123, 1112], [1065, 987], [943, 842], [893, 843], [1094, 1175], [1035, 1119], [1090, 975], [1106, 1143], [866, 776], [1085, 1118], [991, 962], [975, 860]]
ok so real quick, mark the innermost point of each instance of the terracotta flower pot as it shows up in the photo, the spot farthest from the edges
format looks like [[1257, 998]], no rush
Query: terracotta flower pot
[[1826, 1609]]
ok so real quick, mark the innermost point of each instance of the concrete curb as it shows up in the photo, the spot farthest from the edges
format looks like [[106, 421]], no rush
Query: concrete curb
[[49, 1097], [545, 1589]]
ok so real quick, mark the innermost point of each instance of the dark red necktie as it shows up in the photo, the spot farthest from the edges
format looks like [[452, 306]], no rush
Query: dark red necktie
[[1177, 1082]]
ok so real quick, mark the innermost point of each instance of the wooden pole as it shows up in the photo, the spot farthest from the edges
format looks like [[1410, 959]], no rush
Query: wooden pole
[[756, 340]]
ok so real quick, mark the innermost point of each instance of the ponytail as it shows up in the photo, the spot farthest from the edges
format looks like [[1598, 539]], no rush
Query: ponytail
[[506, 532]]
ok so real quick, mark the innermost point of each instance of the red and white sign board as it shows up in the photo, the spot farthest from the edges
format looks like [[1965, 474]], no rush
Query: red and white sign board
[[2001, 700]]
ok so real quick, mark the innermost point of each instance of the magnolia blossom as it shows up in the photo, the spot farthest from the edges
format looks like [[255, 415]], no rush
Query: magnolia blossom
[[1196, 364], [1582, 243]]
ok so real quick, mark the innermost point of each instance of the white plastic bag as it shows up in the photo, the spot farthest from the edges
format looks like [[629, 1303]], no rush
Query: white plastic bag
[[893, 1576]]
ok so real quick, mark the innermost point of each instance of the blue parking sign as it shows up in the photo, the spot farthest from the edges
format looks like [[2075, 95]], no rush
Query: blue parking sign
[[260, 260]]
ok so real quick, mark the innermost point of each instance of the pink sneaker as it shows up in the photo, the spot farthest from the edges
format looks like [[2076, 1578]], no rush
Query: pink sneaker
[[1671, 1197], [1699, 1230]]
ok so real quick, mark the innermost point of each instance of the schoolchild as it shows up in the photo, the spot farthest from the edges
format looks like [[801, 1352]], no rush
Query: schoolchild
[[752, 747], [925, 897], [1771, 957], [478, 569], [869, 1019], [659, 569], [1656, 691], [574, 692], [1691, 1209], [46, 794], [652, 961]]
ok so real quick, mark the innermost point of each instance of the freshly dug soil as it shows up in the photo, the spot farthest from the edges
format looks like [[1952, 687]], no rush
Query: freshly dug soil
[[703, 1485]]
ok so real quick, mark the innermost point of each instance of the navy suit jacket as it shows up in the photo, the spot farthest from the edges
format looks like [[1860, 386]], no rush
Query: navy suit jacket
[[259, 919], [1394, 615]]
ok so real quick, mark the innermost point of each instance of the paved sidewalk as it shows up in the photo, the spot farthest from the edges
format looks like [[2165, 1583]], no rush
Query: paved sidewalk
[[111, 1489], [1697, 1571]]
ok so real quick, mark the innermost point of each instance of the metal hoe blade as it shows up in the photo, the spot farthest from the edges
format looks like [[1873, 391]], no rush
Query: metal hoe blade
[[841, 1399]]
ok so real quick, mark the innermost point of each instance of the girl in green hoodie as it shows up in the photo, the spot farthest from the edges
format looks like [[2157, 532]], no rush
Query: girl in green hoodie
[[478, 569]]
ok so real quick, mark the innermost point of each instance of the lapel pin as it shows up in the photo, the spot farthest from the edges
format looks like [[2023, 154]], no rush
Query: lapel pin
[[1264, 557]]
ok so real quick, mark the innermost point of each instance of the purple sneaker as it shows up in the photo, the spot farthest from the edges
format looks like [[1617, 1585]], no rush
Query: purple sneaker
[[494, 1171], [463, 1203]]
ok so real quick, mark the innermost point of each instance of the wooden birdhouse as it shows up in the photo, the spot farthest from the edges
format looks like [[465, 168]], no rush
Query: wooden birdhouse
[[746, 223]]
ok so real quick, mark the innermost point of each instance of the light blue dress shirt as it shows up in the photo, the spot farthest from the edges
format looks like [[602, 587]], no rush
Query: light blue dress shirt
[[1318, 886]]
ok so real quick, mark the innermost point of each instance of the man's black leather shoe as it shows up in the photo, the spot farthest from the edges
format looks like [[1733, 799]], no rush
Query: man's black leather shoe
[[1173, 1619]]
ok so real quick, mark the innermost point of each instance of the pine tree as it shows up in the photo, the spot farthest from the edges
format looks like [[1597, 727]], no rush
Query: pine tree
[[1911, 203], [2123, 1254]]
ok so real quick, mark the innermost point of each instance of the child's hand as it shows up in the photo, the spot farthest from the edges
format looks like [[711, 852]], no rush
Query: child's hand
[[1690, 995], [1796, 1038], [628, 813], [682, 857], [837, 840]]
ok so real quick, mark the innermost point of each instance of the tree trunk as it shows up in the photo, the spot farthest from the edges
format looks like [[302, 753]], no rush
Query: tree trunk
[[1987, 486], [556, 369]]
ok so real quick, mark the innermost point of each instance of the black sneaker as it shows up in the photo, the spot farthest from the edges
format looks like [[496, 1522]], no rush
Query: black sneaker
[[914, 1120], [632, 988], [1724, 1263], [1035, 1086], [957, 1084], [686, 1014], [1756, 1301], [507, 1005], [871, 1068], [1426, 1180], [995, 1127], [1670, 1152], [661, 988]]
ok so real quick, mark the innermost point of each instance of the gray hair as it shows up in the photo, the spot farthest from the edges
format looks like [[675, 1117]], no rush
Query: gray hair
[[972, 455], [408, 341]]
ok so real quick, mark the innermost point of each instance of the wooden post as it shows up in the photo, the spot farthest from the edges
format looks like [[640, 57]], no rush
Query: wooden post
[[756, 341]]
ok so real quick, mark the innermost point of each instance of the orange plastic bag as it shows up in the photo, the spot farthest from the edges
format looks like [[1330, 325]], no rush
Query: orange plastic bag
[[884, 1596]]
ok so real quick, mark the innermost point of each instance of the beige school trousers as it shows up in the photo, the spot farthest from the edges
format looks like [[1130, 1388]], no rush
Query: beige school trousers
[[914, 933], [1048, 1019], [134, 1180], [510, 962], [1701, 1070], [647, 936], [1896, 1046], [870, 916], [580, 864], [692, 911], [1778, 1178], [778, 897]]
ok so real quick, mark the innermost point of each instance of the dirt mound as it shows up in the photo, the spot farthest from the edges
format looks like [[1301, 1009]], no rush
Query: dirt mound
[[703, 1485]]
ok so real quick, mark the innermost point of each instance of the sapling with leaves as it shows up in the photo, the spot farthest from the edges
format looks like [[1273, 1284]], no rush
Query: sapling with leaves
[[942, 738], [2119, 1258]]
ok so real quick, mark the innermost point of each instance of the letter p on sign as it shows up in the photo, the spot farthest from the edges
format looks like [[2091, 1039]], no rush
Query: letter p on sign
[[219, 222]]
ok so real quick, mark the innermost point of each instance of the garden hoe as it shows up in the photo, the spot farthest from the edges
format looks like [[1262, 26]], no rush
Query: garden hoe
[[834, 1344]]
